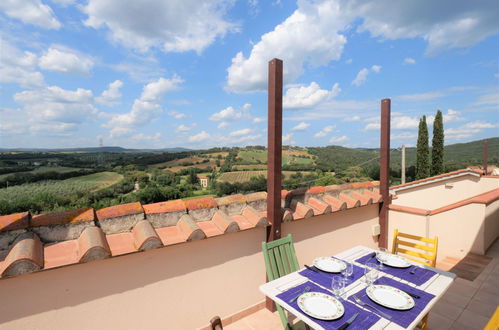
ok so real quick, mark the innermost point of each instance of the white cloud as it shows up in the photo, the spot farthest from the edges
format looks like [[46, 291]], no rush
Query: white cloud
[[241, 132], [111, 95], [309, 36], [308, 96], [65, 60], [420, 96], [372, 126], [403, 136], [199, 137], [449, 117], [351, 118], [443, 24], [176, 114], [468, 130], [185, 128], [153, 92], [257, 120], [141, 137], [325, 131], [301, 126], [19, 67], [144, 109], [288, 139], [491, 98], [349, 61], [31, 12], [223, 124], [409, 60], [63, 3], [404, 122], [338, 139], [173, 26], [231, 114], [361, 77]]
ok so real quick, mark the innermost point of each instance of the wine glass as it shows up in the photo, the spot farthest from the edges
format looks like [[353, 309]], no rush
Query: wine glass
[[381, 255], [337, 286], [347, 272]]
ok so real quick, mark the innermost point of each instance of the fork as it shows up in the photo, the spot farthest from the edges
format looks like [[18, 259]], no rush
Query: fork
[[413, 270], [307, 289], [360, 302]]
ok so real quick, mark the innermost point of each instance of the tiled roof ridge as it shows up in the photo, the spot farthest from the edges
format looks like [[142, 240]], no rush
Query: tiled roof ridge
[[80, 235], [443, 175], [483, 198]]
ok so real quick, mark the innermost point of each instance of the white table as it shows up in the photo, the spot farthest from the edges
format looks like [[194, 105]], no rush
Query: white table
[[437, 285]]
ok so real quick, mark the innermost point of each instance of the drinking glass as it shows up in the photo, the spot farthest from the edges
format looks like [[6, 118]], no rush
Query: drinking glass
[[347, 272], [381, 256], [371, 273], [337, 286]]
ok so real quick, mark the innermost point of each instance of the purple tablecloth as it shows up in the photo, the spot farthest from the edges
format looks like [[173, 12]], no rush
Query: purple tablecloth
[[420, 276], [325, 278], [364, 320], [402, 318]]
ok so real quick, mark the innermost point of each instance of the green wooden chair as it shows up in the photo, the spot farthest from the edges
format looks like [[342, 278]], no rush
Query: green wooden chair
[[280, 259]]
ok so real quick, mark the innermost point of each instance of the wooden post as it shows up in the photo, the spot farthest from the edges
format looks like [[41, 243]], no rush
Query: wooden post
[[384, 172], [274, 156], [485, 156], [403, 164]]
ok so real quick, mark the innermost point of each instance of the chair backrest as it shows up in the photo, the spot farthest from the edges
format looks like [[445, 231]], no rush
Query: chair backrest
[[417, 248], [280, 257]]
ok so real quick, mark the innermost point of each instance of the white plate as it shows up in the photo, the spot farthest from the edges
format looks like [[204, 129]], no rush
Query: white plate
[[390, 297], [329, 264], [321, 306], [393, 260]]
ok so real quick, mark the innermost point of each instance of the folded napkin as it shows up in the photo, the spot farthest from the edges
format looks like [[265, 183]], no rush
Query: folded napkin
[[364, 320], [402, 318], [325, 278], [420, 276]]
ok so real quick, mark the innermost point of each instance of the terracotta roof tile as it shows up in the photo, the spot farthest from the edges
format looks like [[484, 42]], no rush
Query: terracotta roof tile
[[337, 205], [360, 185], [177, 205], [63, 217], [170, 235], [14, 221], [145, 238], [316, 190], [26, 256], [231, 199], [285, 193], [201, 203], [254, 217], [92, 245], [122, 243], [257, 196], [351, 202], [209, 228], [224, 222], [364, 200], [407, 209], [190, 229], [374, 195], [287, 216], [60, 254], [320, 206], [437, 177], [301, 210], [119, 211], [242, 222]]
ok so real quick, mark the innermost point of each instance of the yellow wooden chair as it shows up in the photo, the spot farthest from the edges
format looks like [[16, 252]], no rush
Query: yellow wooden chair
[[419, 249], [493, 323]]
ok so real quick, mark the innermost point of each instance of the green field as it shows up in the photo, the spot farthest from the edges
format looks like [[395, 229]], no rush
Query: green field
[[289, 157], [43, 169], [65, 188], [244, 176]]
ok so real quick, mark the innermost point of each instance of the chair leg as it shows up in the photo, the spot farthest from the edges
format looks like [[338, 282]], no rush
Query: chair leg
[[424, 323], [216, 323]]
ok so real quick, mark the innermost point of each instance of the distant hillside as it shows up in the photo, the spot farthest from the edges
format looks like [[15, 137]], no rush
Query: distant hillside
[[93, 149]]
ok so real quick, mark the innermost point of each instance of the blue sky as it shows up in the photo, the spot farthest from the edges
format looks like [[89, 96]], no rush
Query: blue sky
[[188, 73]]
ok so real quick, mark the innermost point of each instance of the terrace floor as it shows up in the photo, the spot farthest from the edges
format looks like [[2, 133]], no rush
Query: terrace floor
[[467, 305]]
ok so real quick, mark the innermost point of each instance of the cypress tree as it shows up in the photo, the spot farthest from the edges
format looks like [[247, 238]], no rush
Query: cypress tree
[[437, 145], [422, 151]]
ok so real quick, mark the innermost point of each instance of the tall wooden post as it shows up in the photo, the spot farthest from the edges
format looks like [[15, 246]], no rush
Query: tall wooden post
[[403, 164], [485, 156], [274, 158], [384, 172]]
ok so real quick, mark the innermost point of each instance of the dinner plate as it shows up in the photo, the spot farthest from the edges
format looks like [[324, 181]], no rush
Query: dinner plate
[[321, 306], [329, 264], [390, 297], [393, 260]]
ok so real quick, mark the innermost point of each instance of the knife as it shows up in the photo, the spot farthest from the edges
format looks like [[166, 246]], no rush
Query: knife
[[373, 255], [409, 293], [312, 269], [350, 321]]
